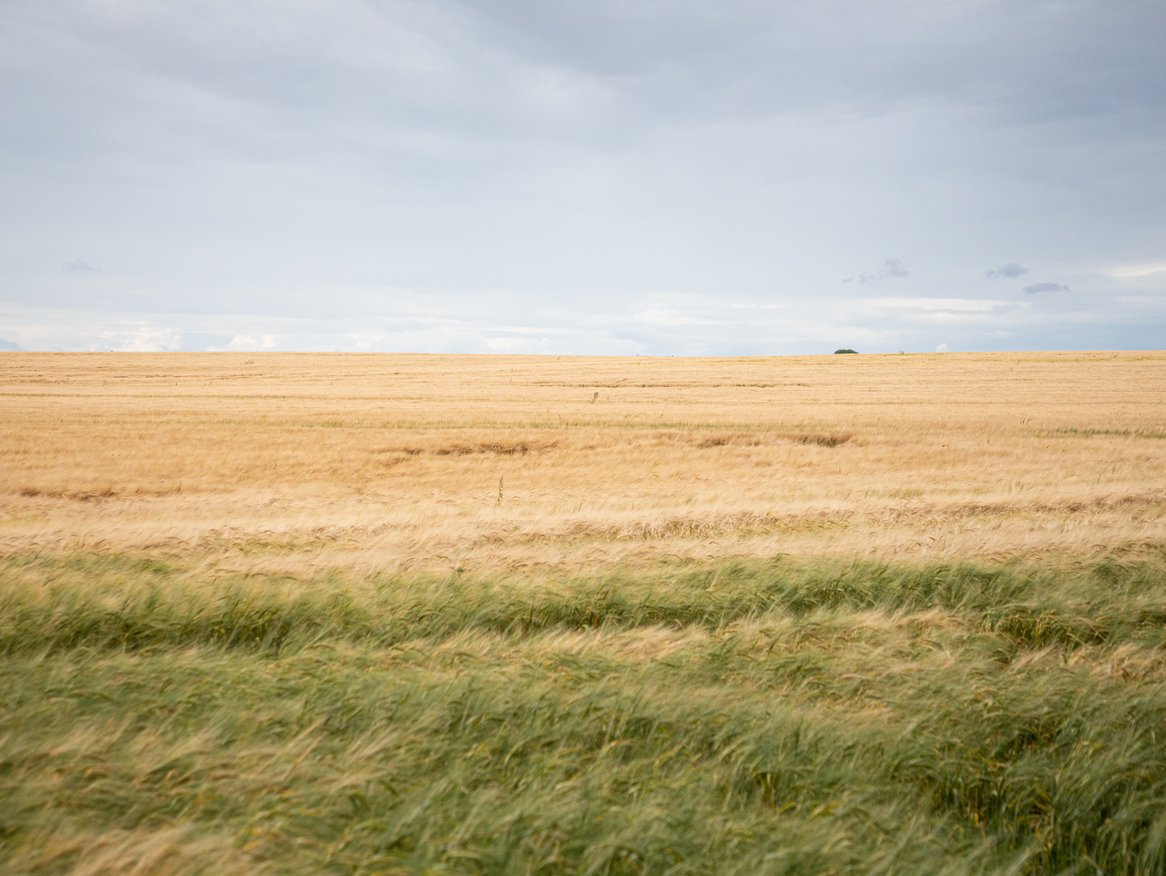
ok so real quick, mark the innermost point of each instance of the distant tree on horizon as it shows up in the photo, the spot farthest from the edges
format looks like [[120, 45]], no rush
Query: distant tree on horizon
[[845, 350]]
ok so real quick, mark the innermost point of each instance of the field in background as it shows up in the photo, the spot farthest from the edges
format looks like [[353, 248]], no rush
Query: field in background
[[303, 463], [539, 614]]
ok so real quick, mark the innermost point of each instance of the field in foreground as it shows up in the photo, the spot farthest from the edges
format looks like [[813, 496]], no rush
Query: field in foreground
[[442, 614]]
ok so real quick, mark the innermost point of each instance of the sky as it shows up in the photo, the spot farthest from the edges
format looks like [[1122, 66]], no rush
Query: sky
[[631, 177]]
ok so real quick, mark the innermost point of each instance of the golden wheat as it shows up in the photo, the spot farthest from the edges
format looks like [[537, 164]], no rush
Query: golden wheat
[[302, 463]]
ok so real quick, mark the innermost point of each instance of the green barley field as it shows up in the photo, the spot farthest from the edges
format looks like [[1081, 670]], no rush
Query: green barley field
[[360, 651]]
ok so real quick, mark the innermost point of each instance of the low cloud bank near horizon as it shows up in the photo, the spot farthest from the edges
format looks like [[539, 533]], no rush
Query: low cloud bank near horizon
[[655, 325]]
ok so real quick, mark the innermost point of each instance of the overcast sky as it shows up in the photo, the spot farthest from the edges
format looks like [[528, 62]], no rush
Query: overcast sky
[[604, 177]]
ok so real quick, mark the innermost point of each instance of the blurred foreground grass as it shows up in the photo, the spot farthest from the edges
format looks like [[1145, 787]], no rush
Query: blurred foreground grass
[[761, 717]]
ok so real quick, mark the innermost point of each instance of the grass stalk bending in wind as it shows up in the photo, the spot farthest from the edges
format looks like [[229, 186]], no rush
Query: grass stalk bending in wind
[[755, 717]]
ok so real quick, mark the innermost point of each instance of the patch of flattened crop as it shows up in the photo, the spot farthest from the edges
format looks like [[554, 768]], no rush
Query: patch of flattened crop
[[484, 448], [1074, 432], [490, 448], [746, 439], [833, 439], [73, 495], [734, 439]]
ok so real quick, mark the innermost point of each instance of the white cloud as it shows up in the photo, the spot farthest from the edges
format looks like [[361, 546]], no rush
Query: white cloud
[[141, 338], [672, 317], [1132, 271], [252, 343], [365, 341], [938, 305], [529, 344]]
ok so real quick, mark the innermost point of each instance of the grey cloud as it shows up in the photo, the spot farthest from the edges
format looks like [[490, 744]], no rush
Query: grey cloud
[[1008, 271], [893, 269], [744, 57], [1035, 288], [79, 266], [271, 158], [499, 67]]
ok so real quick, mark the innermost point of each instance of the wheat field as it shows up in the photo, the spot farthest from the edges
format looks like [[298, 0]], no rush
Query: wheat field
[[302, 613], [432, 463]]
